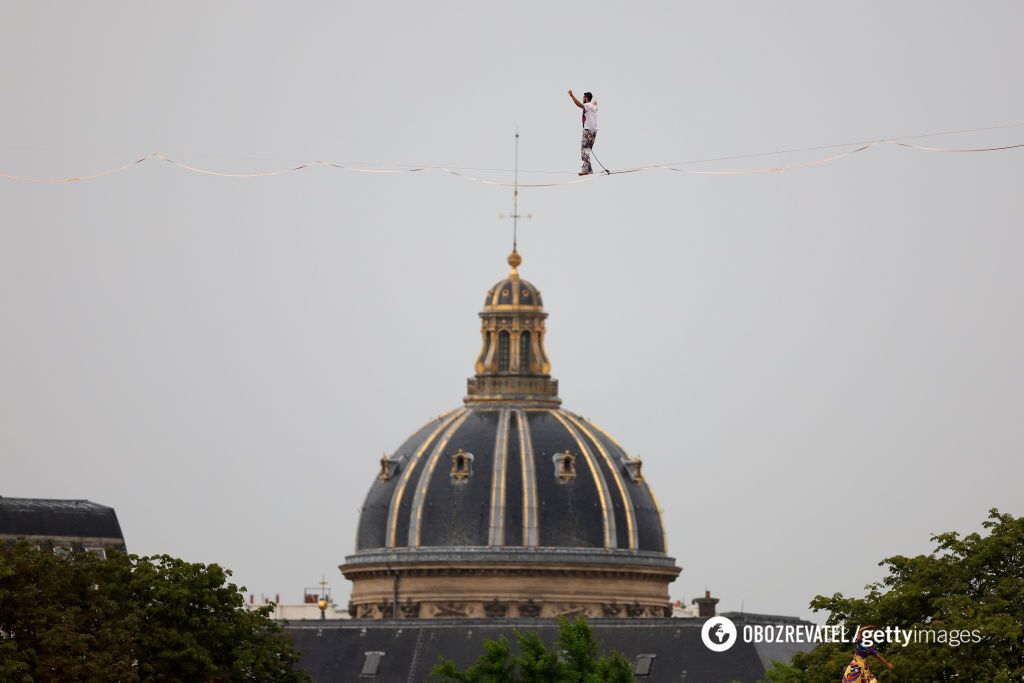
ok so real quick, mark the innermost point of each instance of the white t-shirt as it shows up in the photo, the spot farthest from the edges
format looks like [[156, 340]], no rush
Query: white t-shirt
[[590, 116]]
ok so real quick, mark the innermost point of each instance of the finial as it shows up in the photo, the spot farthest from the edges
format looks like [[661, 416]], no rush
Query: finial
[[514, 259]]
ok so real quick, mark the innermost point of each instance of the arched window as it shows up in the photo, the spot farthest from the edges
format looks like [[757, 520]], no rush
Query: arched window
[[524, 352], [503, 351]]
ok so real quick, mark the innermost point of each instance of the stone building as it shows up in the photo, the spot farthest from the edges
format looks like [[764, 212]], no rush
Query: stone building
[[503, 513]]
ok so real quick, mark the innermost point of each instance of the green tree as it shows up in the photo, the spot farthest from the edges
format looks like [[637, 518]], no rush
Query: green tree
[[128, 618], [574, 658], [965, 583]]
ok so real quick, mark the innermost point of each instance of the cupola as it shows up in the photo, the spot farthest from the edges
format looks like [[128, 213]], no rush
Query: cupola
[[513, 365]]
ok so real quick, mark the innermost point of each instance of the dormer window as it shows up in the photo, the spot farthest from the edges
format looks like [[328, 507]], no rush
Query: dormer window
[[462, 465], [565, 466], [388, 467], [633, 468]]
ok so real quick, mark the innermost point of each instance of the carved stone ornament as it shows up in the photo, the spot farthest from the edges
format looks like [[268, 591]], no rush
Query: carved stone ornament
[[386, 609], [611, 610], [495, 608], [635, 610], [570, 611], [529, 608], [450, 609], [410, 609]]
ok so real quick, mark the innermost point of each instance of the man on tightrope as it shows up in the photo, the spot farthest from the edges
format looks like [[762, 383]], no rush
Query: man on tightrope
[[589, 108]]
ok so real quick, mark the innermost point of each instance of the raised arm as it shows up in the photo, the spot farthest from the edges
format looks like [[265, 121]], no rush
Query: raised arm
[[578, 103], [883, 660]]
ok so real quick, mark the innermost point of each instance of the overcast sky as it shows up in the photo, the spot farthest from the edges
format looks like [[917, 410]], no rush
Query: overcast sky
[[819, 368]]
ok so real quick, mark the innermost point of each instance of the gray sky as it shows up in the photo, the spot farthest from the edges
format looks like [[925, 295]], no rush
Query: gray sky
[[819, 368]]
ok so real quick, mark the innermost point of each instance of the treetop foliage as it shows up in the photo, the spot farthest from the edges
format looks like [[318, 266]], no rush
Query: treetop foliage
[[968, 583], [129, 618], [575, 657]]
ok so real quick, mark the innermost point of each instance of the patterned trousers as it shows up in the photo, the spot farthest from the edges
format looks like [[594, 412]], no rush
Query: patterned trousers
[[585, 146]]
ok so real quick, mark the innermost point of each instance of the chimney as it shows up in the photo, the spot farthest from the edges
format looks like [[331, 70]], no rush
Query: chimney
[[705, 605]]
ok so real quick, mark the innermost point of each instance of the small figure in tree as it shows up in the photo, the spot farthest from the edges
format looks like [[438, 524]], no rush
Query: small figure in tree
[[857, 670]]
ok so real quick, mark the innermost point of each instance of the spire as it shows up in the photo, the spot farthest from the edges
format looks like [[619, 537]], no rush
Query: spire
[[512, 366], [515, 215]]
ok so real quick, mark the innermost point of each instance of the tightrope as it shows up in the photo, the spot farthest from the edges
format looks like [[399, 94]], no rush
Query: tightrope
[[458, 172]]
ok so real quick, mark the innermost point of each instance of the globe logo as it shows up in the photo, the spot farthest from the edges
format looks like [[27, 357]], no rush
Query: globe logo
[[718, 633]]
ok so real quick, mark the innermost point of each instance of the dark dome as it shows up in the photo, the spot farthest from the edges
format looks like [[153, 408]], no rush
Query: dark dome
[[510, 476], [513, 291]]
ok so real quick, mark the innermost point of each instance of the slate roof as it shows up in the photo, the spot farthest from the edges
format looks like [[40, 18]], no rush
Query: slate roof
[[338, 650], [781, 651], [58, 519]]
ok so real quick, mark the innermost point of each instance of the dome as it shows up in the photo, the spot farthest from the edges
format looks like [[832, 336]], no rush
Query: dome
[[510, 477], [513, 291], [510, 505]]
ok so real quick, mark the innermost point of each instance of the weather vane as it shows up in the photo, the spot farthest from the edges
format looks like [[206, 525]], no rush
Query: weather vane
[[515, 215]]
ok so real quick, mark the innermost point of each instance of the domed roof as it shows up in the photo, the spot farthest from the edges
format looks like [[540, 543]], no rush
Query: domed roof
[[513, 291], [510, 505], [511, 468], [510, 476]]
